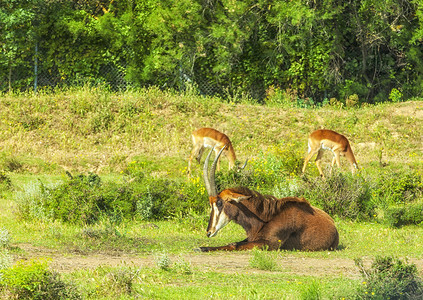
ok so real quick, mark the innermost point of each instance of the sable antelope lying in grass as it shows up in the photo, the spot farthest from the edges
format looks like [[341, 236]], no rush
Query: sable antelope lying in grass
[[209, 137], [287, 223], [324, 139]]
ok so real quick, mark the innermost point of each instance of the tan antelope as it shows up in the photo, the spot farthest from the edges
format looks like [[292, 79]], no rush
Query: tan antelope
[[211, 138], [324, 139], [270, 223]]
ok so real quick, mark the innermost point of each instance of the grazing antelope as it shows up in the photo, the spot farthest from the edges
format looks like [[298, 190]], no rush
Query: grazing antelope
[[324, 139], [209, 137], [287, 223]]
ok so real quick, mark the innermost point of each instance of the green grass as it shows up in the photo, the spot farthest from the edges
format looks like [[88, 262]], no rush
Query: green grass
[[92, 130], [181, 237], [154, 283]]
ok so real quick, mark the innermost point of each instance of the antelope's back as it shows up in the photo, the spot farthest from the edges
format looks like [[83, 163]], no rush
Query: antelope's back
[[211, 136], [329, 138]]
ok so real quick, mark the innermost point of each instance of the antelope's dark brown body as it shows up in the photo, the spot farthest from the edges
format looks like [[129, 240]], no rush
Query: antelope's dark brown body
[[287, 223]]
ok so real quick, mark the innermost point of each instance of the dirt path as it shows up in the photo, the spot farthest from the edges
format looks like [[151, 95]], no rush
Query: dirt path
[[235, 262]]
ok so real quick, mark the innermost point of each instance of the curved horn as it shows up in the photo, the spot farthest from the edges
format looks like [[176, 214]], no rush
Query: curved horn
[[243, 166], [213, 170], [210, 183], [206, 176]]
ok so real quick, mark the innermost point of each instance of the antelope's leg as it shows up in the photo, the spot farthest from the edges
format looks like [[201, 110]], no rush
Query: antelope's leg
[[196, 153], [243, 245], [307, 159], [200, 154], [318, 162]]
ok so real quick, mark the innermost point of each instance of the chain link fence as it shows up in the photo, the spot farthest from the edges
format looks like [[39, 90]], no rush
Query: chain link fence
[[32, 74]]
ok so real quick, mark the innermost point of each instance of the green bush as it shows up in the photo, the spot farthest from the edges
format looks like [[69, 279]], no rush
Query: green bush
[[345, 195], [389, 278], [409, 214], [192, 196], [85, 199], [30, 202], [396, 187], [234, 177], [82, 199], [6, 260], [163, 261], [266, 171], [156, 198], [5, 237], [33, 280]]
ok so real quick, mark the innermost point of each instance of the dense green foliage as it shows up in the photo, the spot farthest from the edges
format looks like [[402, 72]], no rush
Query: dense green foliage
[[390, 278], [33, 280], [288, 51], [86, 199]]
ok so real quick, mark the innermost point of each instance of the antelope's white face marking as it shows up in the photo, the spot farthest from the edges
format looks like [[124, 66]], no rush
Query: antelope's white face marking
[[218, 219]]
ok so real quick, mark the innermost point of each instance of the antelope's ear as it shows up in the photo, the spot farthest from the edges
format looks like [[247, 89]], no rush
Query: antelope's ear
[[229, 195]]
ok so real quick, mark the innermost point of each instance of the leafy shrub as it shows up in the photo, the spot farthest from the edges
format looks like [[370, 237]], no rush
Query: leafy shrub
[[192, 197], [79, 200], [6, 260], [263, 173], [5, 237], [33, 280], [352, 100], [31, 202], [234, 177], [397, 187], [288, 187], [263, 259], [156, 198], [389, 278], [282, 98], [160, 198], [163, 261], [410, 214], [395, 95], [84, 199], [344, 195]]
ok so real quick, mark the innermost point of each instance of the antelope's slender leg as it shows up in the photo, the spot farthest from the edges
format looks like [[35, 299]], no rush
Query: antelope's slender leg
[[309, 156], [318, 162], [243, 245], [196, 153]]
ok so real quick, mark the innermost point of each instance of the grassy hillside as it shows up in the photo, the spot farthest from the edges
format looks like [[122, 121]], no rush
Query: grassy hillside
[[146, 136], [94, 130]]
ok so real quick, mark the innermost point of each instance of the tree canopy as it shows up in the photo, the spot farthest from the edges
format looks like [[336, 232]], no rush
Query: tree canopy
[[316, 49]]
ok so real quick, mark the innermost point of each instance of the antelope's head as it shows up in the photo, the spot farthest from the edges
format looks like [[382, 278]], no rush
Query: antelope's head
[[221, 207]]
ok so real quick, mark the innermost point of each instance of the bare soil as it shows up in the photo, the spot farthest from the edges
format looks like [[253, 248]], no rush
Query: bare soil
[[227, 262]]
